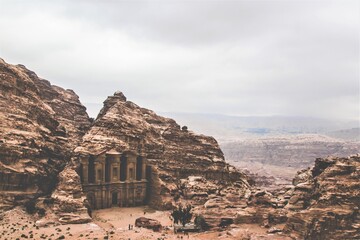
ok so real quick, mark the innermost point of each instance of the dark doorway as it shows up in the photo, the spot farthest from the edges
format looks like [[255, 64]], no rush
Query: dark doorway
[[92, 200], [139, 161], [91, 170], [123, 168], [107, 169], [114, 198]]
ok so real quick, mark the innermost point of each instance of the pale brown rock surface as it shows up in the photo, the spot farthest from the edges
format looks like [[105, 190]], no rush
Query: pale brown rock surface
[[173, 152], [327, 200], [45, 129], [43, 124], [40, 126]]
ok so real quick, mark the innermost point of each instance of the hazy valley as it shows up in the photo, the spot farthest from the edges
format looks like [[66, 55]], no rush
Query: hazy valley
[[273, 149]]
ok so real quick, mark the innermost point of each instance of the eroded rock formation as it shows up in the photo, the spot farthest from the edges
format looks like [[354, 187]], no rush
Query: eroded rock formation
[[327, 200], [45, 134], [40, 126], [173, 152]]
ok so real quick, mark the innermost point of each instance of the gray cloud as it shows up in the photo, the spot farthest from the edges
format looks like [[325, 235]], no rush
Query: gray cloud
[[230, 57]]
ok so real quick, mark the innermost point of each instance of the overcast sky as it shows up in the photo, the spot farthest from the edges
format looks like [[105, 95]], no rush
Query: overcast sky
[[230, 57]]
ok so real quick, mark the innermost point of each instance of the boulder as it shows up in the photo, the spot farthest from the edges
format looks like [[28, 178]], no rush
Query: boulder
[[148, 223]]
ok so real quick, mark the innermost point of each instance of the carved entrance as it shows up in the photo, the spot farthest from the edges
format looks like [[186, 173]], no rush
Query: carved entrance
[[114, 198], [91, 199]]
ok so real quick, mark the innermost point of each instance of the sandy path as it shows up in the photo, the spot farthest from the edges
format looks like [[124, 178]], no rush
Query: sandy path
[[113, 223], [120, 218]]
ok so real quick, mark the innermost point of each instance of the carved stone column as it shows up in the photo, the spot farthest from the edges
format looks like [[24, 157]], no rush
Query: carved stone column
[[143, 165], [85, 170], [98, 166], [103, 171], [110, 169], [117, 165], [131, 164], [101, 162]]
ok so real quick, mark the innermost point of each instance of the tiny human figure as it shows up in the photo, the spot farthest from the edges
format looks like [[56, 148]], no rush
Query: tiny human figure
[[129, 227]]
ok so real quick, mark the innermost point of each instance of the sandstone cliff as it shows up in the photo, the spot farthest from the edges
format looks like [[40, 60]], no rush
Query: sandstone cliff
[[326, 200], [174, 152], [45, 129], [40, 126]]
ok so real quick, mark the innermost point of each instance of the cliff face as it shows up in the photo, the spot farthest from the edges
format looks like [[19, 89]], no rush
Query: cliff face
[[173, 152], [326, 200], [44, 129], [40, 126]]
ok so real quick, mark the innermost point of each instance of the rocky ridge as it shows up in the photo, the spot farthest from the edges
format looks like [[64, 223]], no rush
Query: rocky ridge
[[40, 125], [174, 152], [326, 200], [296, 151], [322, 203]]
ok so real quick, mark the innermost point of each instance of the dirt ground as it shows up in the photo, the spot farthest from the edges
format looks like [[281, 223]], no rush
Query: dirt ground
[[113, 223]]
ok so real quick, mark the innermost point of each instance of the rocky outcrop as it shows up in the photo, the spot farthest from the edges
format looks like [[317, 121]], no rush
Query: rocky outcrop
[[216, 202], [148, 223], [69, 200], [173, 152], [323, 203], [327, 200], [40, 126]]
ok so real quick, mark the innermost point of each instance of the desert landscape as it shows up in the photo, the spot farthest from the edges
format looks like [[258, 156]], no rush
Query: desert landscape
[[176, 119], [131, 166], [113, 224]]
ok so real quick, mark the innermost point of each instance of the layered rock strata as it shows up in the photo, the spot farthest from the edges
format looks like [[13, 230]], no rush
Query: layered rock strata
[[173, 152], [326, 200], [40, 126], [322, 203]]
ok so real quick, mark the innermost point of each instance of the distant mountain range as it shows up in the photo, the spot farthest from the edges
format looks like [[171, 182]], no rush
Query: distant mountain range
[[273, 149], [352, 134], [226, 128]]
